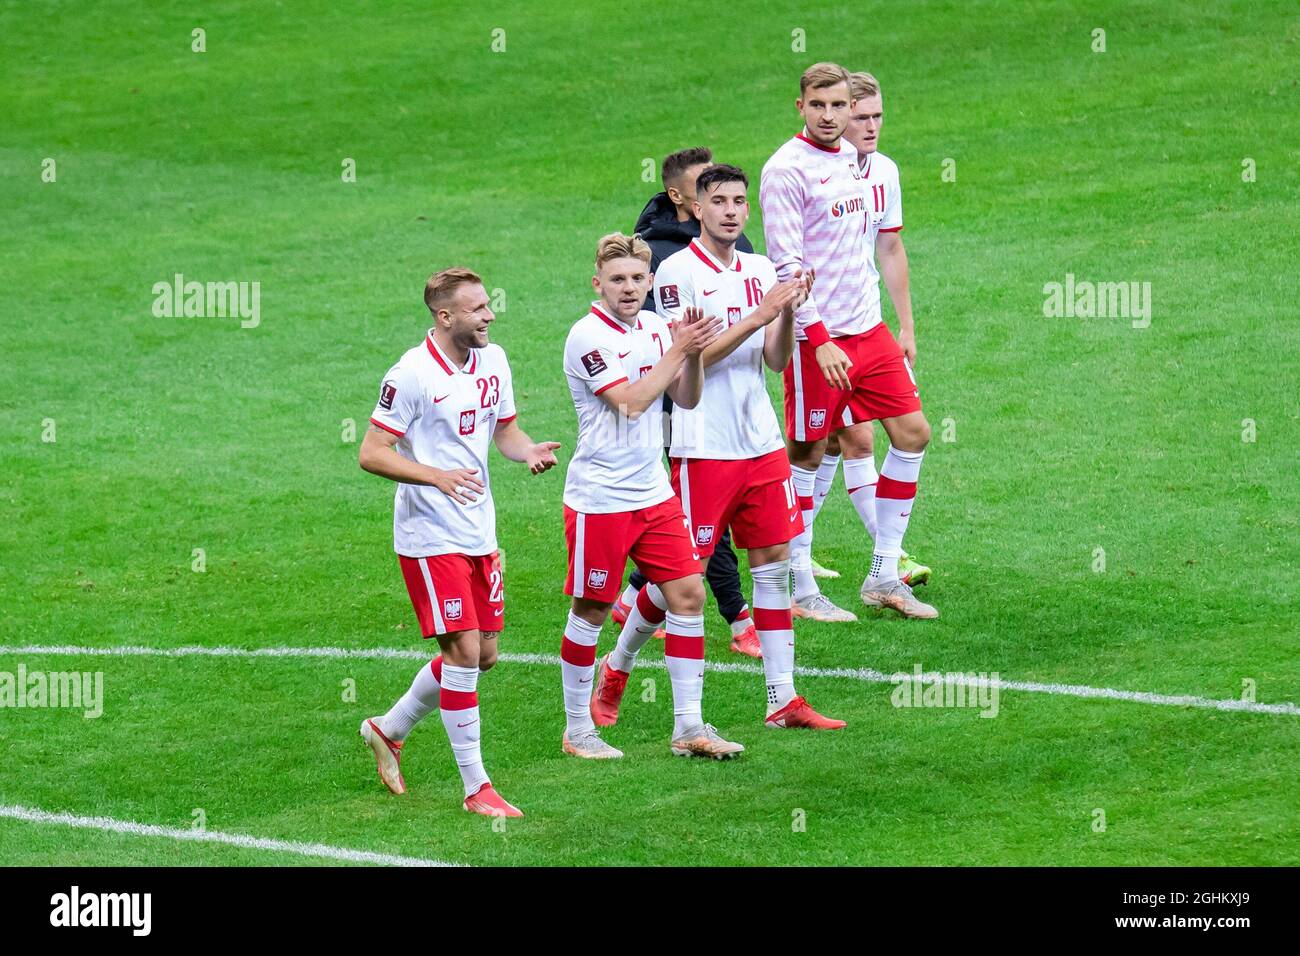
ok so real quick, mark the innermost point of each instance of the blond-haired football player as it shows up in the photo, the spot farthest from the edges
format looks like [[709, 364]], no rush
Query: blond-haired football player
[[618, 503], [847, 370], [884, 194], [440, 407]]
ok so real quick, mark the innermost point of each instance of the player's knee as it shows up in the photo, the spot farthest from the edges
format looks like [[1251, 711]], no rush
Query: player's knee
[[689, 598], [922, 434], [487, 657]]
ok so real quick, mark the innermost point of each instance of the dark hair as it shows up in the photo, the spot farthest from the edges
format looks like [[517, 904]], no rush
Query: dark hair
[[721, 173], [677, 163]]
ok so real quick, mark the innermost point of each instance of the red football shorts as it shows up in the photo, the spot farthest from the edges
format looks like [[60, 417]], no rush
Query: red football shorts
[[600, 544], [456, 592], [882, 386], [753, 496]]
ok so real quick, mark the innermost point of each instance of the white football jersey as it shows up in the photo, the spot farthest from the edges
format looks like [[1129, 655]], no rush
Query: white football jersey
[[445, 417], [734, 419], [618, 464], [884, 214], [814, 217]]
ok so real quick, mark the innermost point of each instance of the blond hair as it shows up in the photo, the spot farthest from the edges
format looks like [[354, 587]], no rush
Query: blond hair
[[442, 285], [618, 246], [862, 85], [821, 75]]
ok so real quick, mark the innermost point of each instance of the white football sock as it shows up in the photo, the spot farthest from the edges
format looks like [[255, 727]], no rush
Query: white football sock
[[895, 495], [628, 596], [578, 668], [684, 654], [805, 585], [416, 704], [459, 703], [860, 479], [648, 607], [825, 478], [775, 630]]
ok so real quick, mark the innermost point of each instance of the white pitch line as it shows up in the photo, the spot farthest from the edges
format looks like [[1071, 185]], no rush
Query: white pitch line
[[865, 674], [111, 825]]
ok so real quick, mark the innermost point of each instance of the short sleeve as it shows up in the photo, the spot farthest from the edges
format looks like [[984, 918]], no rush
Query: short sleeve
[[506, 411], [399, 401], [674, 289], [586, 358]]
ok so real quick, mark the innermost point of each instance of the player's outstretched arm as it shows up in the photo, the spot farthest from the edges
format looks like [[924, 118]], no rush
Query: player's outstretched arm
[[893, 268], [379, 457], [514, 444]]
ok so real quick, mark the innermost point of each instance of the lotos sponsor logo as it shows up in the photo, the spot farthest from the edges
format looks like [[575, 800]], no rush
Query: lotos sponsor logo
[[846, 207]]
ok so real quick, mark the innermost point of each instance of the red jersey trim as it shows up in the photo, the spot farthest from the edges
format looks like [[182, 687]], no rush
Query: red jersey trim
[[387, 428], [892, 229], [506, 421], [606, 388], [437, 356], [704, 257], [816, 145], [617, 326]]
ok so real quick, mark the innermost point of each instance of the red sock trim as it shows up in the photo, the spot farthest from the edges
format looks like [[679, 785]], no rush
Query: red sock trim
[[579, 655], [773, 619], [457, 699], [649, 610], [689, 646], [887, 487], [805, 503]]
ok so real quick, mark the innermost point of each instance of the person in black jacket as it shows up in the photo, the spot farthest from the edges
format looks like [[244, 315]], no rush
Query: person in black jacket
[[666, 223]]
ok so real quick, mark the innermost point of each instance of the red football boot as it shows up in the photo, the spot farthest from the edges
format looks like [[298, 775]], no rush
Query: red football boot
[[797, 713], [747, 642], [620, 611], [607, 694], [490, 803]]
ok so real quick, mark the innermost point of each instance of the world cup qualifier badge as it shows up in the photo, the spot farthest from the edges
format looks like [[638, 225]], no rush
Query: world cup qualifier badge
[[386, 395], [594, 362], [668, 298]]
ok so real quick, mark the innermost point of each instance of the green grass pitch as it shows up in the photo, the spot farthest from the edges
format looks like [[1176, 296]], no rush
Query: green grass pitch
[[1169, 158]]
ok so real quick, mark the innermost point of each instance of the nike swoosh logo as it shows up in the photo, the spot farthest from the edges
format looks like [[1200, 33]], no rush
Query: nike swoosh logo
[[437, 400], [587, 681], [625, 354], [792, 517], [711, 291], [474, 721], [827, 179], [498, 612], [905, 514]]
